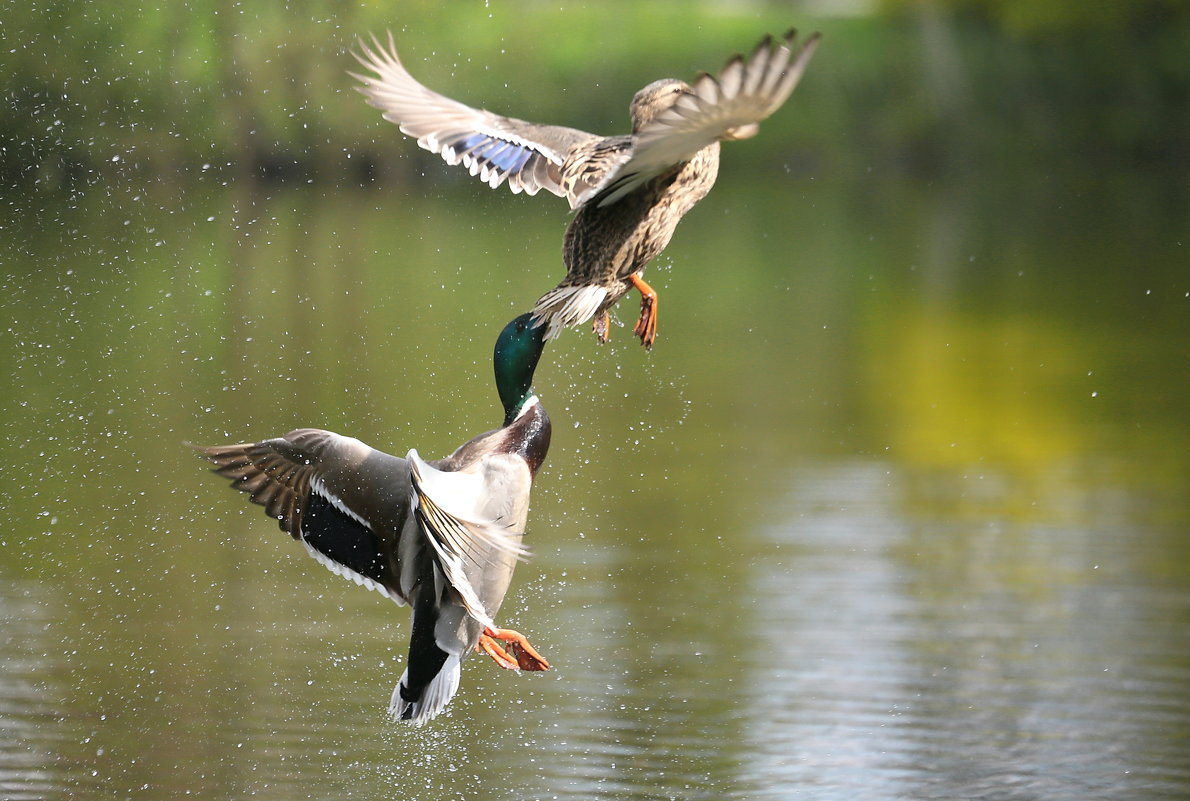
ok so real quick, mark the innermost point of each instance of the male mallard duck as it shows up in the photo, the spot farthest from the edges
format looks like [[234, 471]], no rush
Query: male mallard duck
[[630, 191], [442, 536]]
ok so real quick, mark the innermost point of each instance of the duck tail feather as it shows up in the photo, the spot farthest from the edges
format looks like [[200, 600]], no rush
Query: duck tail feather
[[416, 707], [566, 306]]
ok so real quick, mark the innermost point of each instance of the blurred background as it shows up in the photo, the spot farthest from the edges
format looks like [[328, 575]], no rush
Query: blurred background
[[896, 508], [927, 87]]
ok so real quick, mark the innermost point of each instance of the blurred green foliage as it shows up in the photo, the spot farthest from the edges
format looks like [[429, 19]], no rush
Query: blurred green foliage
[[169, 88], [1063, 17]]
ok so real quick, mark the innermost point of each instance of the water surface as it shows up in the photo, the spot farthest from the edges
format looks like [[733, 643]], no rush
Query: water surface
[[895, 508]]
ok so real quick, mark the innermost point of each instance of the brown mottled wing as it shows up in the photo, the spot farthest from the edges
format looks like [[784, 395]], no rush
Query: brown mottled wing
[[275, 473], [590, 165], [746, 92], [496, 149]]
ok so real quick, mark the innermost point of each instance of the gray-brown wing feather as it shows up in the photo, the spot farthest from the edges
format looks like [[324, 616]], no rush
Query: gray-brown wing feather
[[746, 92], [591, 163], [275, 473], [497, 149], [346, 502]]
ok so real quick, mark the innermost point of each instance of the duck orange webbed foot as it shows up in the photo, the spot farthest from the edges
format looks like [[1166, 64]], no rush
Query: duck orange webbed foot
[[600, 327], [517, 653], [646, 326]]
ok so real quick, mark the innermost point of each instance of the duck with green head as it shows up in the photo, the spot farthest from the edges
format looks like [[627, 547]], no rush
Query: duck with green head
[[442, 536], [629, 192]]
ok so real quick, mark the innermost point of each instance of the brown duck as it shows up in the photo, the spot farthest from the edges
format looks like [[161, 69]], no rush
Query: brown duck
[[629, 191]]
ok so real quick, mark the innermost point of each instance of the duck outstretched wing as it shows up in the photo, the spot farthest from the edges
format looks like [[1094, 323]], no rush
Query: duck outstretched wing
[[298, 479], [747, 91], [497, 149]]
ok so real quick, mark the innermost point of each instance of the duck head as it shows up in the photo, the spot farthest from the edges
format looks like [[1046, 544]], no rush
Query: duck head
[[518, 349], [654, 99]]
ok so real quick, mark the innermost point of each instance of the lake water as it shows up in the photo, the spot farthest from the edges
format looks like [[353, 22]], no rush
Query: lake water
[[895, 509]]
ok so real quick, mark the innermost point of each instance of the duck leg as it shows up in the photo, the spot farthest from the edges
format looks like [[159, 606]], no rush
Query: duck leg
[[646, 326], [519, 654], [600, 326]]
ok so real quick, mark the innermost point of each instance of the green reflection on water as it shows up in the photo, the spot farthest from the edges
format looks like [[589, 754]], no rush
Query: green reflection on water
[[1015, 370]]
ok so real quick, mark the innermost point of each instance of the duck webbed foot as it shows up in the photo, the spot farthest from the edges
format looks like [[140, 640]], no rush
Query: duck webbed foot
[[646, 326], [601, 325], [516, 654]]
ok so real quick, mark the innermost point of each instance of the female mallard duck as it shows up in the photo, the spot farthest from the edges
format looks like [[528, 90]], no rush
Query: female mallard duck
[[442, 536], [630, 191]]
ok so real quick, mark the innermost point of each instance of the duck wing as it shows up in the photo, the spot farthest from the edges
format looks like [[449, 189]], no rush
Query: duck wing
[[335, 494], [498, 149], [445, 503], [746, 92]]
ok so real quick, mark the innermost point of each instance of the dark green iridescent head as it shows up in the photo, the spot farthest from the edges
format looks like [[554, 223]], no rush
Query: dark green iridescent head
[[518, 348]]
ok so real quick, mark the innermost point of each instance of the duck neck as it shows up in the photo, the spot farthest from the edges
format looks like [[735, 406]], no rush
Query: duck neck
[[528, 434], [516, 392], [515, 360], [513, 411]]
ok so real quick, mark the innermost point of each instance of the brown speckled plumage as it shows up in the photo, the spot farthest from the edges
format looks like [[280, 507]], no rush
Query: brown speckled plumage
[[629, 192], [606, 245]]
